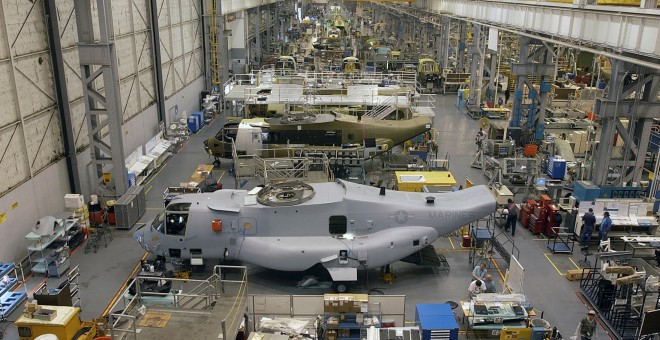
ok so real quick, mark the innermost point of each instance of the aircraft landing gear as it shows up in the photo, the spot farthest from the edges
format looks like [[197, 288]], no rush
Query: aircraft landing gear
[[341, 286], [387, 275]]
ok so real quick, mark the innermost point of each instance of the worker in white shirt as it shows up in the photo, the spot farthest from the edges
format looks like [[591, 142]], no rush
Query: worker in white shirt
[[475, 288]]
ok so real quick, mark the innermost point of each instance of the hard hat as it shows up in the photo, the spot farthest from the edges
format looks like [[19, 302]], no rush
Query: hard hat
[[505, 212], [592, 312]]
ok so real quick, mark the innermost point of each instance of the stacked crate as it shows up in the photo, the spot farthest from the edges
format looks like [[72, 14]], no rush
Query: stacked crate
[[345, 315], [579, 140]]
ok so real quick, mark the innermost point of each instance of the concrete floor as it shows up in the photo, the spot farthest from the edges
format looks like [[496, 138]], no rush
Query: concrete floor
[[553, 297]]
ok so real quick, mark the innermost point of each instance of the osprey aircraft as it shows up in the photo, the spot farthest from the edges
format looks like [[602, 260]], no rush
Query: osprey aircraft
[[293, 226], [327, 129]]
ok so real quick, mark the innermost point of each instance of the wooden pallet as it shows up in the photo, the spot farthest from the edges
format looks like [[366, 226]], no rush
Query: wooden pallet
[[153, 319], [576, 274]]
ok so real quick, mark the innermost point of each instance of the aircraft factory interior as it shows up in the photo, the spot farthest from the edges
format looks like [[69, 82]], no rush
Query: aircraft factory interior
[[329, 169]]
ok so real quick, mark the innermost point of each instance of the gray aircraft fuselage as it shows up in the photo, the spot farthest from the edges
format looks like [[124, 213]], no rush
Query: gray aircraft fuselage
[[342, 218]]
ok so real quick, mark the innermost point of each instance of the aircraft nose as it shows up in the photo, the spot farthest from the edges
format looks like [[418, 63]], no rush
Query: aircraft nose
[[139, 237]]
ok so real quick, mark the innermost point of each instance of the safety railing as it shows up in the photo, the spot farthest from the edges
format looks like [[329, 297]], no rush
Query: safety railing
[[200, 295], [385, 108], [238, 306]]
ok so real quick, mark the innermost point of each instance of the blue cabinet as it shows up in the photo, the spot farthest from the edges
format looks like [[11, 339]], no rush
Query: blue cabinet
[[194, 124], [437, 321], [556, 168], [200, 118], [585, 191]]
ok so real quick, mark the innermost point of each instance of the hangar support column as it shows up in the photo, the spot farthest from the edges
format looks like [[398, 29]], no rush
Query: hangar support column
[[535, 60], [218, 62], [443, 43], [460, 54], [98, 60], [627, 117], [61, 90], [477, 52]]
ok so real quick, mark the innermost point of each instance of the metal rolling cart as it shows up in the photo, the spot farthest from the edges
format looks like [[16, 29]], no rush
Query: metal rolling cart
[[482, 242], [561, 242], [99, 234]]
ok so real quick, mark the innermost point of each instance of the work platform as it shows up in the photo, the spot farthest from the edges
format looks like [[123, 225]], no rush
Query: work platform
[[202, 309]]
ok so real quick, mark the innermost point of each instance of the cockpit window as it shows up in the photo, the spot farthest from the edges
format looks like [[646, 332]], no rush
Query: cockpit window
[[284, 65], [176, 218], [176, 223], [228, 132], [159, 223], [175, 206]]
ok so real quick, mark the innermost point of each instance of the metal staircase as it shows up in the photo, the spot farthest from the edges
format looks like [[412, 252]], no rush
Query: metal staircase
[[385, 108]]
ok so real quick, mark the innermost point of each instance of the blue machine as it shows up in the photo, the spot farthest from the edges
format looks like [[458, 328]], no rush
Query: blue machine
[[194, 123], [556, 168], [585, 191], [200, 118], [436, 321], [621, 192]]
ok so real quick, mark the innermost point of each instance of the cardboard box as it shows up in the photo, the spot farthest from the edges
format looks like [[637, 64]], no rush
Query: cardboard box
[[332, 321], [344, 333], [330, 306], [576, 274]]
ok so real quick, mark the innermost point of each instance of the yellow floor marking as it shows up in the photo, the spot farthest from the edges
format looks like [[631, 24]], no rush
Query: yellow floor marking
[[156, 174], [576, 266], [452, 243], [553, 264], [146, 192], [498, 269]]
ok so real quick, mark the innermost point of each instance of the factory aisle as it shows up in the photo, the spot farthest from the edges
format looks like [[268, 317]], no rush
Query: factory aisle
[[545, 286]]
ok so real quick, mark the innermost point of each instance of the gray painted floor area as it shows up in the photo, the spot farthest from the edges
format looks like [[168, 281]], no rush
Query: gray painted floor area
[[103, 273]]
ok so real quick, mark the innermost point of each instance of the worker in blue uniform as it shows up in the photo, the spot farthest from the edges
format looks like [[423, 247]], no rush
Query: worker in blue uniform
[[605, 227], [588, 220], [512, 217]]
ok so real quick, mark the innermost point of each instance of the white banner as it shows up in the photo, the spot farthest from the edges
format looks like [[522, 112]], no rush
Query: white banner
[[493, 34]]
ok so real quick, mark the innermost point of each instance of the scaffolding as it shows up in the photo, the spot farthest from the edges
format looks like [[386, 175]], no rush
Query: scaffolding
[[490, 244], [621, 288], [214, 43]]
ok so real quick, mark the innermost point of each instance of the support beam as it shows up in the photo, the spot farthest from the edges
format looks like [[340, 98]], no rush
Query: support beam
[[205, 43], [98, 60], [477, 59], [257, 34], [443, 43], [634, 43], [460, 54], [535, 60], [638, 114], [61, 92], [157, 60]]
